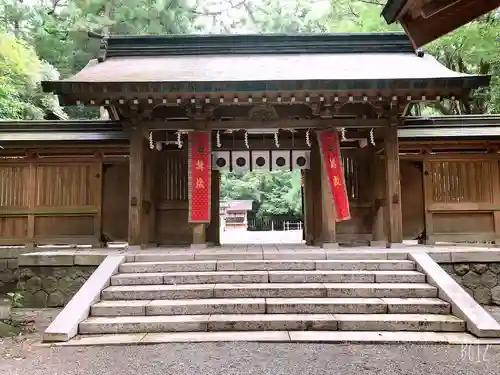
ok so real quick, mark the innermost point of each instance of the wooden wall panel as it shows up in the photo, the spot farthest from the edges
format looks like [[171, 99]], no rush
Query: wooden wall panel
[[13, 182], [115, 198], [412, 199], [462, 199], [457, 223], [64, 226], [461, 181], [172, 227], [13, 230], [357, 174], [171, 222], [66, 185], [50, 197]]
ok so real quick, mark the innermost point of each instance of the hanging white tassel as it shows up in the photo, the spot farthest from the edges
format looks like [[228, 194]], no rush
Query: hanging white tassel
[[342, 133], [372, 137], [308, 138], [276, 141], [179, 140], [246, 140], [219, 144], [151, 143]]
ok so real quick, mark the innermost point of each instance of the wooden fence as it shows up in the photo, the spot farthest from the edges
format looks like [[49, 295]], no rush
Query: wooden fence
[[46, 201], [462, 198]]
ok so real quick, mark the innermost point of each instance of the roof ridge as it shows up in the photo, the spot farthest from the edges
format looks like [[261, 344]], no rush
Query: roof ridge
[[192, 44]]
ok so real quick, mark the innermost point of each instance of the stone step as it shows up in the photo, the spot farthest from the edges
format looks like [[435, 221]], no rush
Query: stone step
[[180, 307], [243, 277], [354, 337], [209, 277], [356, 306], [271, 322], [173, 266], [326, 276], [271, 306], [267, 265], [365, 265], [269, 290], [399, 322]]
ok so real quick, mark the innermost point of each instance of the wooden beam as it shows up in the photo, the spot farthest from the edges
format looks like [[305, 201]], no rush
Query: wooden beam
[[136, 187], [424, 30], [393, 186], [278, 124]]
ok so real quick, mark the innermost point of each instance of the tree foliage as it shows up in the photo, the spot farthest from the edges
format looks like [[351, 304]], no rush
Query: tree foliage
[[21, 72], [273, 193]]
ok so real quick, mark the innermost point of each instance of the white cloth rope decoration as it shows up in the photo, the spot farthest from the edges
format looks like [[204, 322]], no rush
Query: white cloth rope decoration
[[372, 137], [151, 143], [342, 133], [179, 140], [276, 141], [308, 138], [219, 145], [246, 140]]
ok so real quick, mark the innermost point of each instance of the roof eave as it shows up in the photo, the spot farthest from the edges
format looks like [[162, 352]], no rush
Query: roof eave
[[457, 84], [392, 9]]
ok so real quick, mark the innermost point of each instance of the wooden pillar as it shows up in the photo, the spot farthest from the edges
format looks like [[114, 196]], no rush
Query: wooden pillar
[[427, 188], [316, 198], [495, 186], [379, 203], [136, 187], [328, 224], [213, 229], [32, 190], [308, 206], [393, 186], [149, 206], [98, 175]]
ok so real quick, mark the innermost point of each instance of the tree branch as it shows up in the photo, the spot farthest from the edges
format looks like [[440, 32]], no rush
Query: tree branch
[[373, 2], [219, 12]]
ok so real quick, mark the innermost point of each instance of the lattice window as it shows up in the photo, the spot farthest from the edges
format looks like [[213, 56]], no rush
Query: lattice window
[[461, 181], [173, 178], [356, 177]]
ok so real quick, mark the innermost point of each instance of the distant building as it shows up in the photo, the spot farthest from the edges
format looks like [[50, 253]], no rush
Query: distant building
[[234, 214]]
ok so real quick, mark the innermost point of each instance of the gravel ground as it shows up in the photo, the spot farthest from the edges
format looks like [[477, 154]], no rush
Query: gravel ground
[[253, 358], [22, 356]]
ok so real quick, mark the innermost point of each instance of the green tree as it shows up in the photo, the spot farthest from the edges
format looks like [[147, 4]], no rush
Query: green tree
[[21, 72], [273, 193]]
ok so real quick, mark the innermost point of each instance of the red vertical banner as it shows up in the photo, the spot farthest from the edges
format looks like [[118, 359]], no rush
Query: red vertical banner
[[329, 144], [199, 176]]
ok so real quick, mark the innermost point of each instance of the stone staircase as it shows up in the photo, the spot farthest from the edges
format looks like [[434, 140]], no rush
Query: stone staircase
[[269, 295]]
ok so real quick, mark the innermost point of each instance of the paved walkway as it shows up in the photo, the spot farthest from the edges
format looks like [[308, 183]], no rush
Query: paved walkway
[[236, 236]]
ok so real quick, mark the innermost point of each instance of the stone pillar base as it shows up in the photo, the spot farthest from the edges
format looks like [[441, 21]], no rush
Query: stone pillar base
[[396, 245], [382, 244], [330, 245], [198, 246], [134, 247]]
